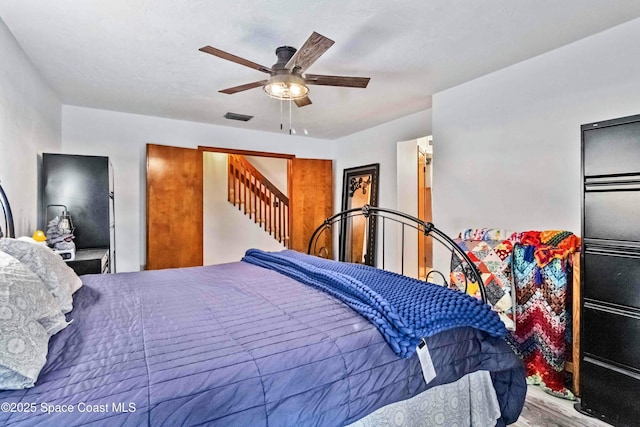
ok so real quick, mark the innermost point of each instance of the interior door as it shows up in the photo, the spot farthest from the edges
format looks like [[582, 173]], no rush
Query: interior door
[[174, 207], [425, 244], [311, 201]]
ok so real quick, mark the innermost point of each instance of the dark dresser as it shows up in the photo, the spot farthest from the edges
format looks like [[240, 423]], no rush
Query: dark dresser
[[84, 184], [610, 330], [90, 261]]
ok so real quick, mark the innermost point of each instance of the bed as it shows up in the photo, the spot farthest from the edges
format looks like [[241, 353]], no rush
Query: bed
[[261, 342], [6, 226]]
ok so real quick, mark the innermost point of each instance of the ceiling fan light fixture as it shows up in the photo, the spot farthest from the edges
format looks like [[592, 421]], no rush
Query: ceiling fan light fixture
[[286, 86]]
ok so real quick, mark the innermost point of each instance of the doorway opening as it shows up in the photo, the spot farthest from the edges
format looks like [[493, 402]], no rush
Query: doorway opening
[[414, 163], [179, 234]]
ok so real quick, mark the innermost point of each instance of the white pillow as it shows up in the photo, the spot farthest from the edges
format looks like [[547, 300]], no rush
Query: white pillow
[[29, 315], [48, 266], [23, 297], [23, 353]]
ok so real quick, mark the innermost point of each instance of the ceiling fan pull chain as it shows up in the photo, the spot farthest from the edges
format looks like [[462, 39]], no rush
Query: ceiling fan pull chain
[[281, 126], [290, 101]]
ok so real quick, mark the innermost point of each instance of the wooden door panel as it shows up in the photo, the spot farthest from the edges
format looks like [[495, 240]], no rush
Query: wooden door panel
[[428, 242], [174, 207], [425, 244], [311, 200]]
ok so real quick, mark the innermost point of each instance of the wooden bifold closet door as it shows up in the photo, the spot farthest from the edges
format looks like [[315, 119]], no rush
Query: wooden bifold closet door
[[311, 184], [174, 207]]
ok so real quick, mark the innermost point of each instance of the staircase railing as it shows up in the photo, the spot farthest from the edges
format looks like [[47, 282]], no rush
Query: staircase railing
[[258, 198]]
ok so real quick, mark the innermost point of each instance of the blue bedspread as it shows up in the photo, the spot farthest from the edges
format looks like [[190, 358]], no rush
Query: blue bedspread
[[403, 309], [235, 345]]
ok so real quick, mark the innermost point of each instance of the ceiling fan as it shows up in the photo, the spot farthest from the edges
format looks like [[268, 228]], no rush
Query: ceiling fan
[[287, 80]]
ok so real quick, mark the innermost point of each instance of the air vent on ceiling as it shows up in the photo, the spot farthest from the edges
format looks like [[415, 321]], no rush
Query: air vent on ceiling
[[236, 116]]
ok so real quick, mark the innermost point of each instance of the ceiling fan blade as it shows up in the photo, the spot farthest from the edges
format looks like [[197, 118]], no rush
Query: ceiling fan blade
[[302, 101], [229, 57], [344, 81], [310, 51], [236, 89]]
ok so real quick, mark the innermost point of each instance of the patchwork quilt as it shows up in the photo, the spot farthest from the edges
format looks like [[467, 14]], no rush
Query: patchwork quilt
[[493, 259]]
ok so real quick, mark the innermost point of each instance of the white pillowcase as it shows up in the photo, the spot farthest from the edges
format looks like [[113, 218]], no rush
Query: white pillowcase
[[23, 353], [29, 315], [48, 266], [24, 297]]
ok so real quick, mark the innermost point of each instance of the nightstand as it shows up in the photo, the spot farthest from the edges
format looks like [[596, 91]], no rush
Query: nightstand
[[90, 261]]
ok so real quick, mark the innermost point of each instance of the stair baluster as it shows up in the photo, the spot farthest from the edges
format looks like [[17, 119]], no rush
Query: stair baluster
[[258, 198]]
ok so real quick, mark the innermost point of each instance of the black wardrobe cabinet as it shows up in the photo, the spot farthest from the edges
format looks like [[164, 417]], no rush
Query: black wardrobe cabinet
[[84, 184], [610, 259]]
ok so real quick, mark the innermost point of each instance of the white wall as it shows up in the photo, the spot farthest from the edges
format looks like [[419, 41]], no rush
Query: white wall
[[123, 137], [407, 202], [507, 145], [227, 232], [30, 122], [274, 169], [378, 145]]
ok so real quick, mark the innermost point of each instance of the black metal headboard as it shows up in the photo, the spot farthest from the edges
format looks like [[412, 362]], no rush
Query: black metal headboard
[[381, 216], [6, 226]]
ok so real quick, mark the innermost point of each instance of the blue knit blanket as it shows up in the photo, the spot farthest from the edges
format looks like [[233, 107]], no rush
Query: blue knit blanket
[[403, 309]]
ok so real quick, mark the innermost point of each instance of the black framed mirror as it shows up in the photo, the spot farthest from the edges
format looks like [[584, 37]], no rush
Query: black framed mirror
[[358, 234]]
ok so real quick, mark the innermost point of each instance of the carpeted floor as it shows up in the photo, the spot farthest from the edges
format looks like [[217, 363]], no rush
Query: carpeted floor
[[543, 410]]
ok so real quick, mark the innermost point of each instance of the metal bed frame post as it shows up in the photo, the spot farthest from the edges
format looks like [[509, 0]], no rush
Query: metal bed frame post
[[471, 273], [8, 216]]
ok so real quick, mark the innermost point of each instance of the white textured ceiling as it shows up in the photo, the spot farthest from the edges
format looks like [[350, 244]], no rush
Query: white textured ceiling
[[141, 56]]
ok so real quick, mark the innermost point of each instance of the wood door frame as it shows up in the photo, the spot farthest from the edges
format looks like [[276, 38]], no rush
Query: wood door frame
[[288, 157], [291, 194], [245, 152]]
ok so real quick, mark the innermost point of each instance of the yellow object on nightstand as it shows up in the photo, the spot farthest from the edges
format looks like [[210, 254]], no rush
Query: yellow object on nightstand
[[39, 236]]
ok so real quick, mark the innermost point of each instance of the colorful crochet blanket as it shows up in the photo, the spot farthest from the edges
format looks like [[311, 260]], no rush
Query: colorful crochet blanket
[[403, 309], [540, 273], [493, 259], [547, 245]]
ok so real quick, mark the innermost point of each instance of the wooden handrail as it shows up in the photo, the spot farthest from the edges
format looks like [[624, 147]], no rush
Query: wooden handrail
[[248, 166], [258, 197]]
